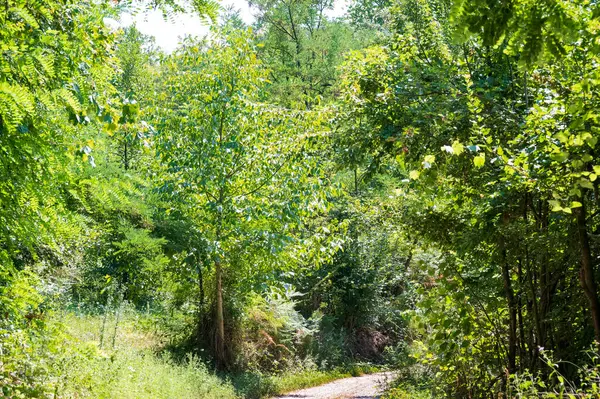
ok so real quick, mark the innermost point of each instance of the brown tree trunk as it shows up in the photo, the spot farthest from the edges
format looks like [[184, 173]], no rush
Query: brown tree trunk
[[544, 283], [586, 273], [220, 357]]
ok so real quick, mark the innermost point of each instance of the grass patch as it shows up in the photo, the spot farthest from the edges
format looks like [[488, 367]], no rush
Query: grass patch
[[133, 376], [406, 392], [129, 369]]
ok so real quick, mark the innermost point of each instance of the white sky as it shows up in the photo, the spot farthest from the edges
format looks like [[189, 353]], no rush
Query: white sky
[[167, 33]]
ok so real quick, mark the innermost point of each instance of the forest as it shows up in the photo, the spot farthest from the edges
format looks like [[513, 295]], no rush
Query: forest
[[411, 187]]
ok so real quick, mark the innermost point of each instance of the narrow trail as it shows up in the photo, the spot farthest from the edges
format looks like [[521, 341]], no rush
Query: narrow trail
[[364, 387]]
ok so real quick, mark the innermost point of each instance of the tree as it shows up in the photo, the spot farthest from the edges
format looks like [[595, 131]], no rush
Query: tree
[[55, 68], [370, 14], [494, 148], [136, 56], [302, 47], [239, 166]]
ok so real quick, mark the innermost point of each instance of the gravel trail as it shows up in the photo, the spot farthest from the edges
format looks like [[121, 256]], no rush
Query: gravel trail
[[364, 387]]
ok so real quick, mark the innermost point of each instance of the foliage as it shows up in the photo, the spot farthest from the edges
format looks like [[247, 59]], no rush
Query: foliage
[[54, 73], [535, 30], [414, 183], [357, 296], [275, 335], [41, 87], [232, 162], [303, 49], [556, 385], [404, 392], [370, 14], [495, 169]]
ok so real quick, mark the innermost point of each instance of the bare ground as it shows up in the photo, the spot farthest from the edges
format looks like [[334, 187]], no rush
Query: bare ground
[[364, 387]]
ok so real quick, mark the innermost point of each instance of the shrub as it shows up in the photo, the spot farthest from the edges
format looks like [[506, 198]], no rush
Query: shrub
[[554, 384]]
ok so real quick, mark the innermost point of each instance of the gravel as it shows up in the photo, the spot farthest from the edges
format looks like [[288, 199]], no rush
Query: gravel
[[364, 387]]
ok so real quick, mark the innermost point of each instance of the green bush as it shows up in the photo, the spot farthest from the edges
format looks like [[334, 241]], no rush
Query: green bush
[[404, 392], [27, 342], [553, 384]]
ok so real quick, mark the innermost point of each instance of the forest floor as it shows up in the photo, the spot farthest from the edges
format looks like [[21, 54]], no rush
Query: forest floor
[[369, 386]]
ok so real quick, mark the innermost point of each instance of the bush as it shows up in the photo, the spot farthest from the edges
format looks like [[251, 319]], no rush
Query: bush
[[554, 384], [27, 341]]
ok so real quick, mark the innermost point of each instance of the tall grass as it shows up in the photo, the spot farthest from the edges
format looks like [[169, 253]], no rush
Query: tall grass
[[129, 369]]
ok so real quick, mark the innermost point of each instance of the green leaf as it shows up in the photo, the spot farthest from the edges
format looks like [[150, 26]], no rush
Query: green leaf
[[556, 206], [562, 137], [414, 174], [585, 183], [457, 147], [561, 156], [479, 160], [587, 158]]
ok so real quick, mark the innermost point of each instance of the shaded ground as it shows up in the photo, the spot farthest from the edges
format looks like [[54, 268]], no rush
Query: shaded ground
[[363, 387]]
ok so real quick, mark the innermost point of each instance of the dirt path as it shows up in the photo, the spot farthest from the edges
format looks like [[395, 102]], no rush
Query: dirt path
[[364, 387]]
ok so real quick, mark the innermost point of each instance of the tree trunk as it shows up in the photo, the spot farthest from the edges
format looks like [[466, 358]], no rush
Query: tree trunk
[[544, 283], [201, 301], [512, 312], [220, 356], [520, 295], [586, 274], [125, 156], [201, 309]]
